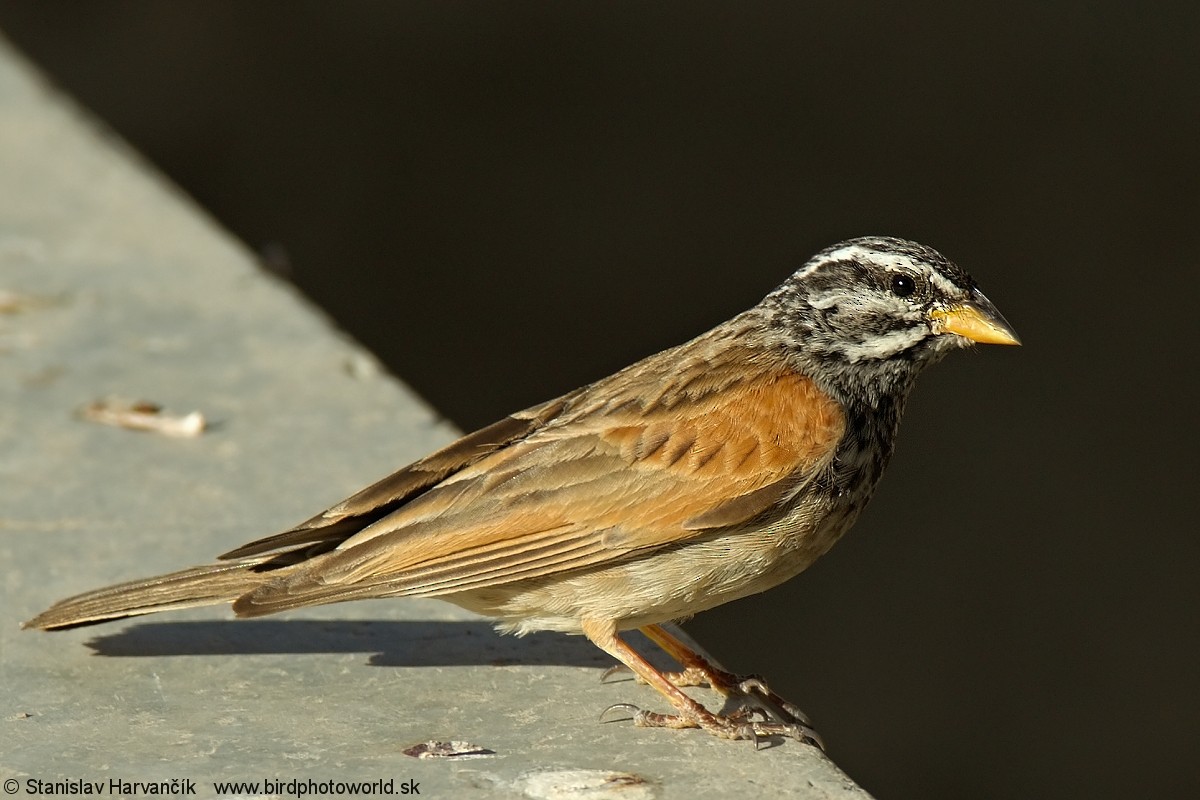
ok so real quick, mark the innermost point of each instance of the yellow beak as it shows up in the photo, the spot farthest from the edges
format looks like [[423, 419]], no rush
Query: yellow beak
[[977, 320]]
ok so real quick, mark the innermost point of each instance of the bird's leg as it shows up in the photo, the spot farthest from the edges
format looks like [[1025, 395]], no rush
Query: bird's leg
[[690, 714], [699, 671]]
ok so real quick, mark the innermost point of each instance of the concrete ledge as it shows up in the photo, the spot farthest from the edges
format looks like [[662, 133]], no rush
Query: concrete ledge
[[112, 284]]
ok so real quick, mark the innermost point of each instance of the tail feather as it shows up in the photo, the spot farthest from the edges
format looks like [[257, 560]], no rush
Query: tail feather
[[206, 585]]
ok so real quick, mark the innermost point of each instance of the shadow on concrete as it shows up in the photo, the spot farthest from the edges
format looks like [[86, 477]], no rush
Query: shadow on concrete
[[394, 643]]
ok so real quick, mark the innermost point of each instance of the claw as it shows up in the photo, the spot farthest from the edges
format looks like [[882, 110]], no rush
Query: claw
[[812, 737], [753, 737], [630, 707], [615, 669], [758, 732], [795, 713], [754, 685]]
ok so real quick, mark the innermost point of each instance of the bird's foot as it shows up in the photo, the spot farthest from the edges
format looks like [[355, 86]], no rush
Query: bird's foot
[[739, 724], [728, 684]]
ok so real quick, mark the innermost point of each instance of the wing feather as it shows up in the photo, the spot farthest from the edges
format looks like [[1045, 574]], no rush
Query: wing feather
[[385, 496]]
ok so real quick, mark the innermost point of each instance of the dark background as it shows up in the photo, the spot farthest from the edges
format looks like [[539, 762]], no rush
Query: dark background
[[505, 201]]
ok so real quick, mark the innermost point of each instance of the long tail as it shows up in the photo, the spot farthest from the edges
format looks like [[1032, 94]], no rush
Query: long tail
[[210, 584]]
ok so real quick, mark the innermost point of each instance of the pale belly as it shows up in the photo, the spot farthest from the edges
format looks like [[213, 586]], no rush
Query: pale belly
[[671, 583]]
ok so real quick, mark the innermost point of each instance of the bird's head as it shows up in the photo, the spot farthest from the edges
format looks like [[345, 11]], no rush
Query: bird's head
[[868, 314]]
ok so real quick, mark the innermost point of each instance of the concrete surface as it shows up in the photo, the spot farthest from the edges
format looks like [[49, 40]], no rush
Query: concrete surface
[[114, 285]]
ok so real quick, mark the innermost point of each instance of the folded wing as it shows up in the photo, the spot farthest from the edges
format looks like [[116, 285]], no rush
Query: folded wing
[[601, 476]]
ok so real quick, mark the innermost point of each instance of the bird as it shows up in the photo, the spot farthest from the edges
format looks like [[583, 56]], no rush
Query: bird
[[702, 474]]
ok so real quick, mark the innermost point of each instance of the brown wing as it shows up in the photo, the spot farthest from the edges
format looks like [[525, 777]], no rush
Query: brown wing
[[649, 457], [332, 527]]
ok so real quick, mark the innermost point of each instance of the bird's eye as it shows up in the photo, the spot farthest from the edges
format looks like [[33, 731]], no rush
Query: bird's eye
[[903, 285]]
